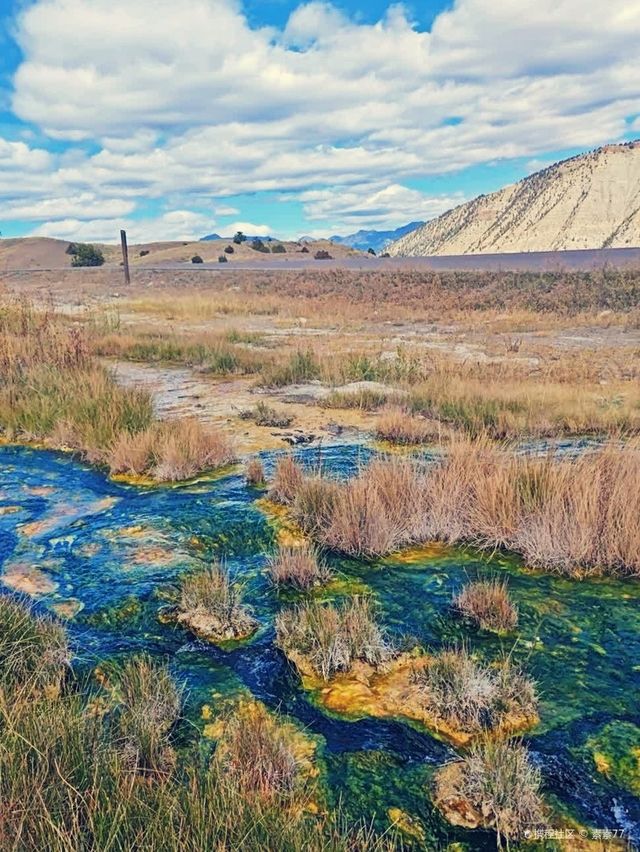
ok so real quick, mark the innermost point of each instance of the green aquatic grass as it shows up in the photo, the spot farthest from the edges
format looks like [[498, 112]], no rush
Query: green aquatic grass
[[615, 752]]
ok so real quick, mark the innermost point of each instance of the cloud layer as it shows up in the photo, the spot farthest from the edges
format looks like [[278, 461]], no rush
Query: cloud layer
[[188, 105]]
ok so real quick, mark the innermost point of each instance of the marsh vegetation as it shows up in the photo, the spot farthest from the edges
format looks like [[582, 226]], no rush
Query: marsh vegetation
[[463, 374]]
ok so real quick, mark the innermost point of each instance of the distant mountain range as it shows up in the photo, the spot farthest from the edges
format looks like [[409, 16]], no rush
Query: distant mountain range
[[210, 238], [587, 202], [377, 240]]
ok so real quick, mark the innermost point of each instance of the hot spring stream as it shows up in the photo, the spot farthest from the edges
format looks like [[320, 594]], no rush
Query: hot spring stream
[[104, 553]]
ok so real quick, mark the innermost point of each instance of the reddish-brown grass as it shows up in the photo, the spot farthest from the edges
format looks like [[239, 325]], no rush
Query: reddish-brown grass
[[487, 603], [299, 567], [170, 451], [575, 515], [400, 427], [287, 479]]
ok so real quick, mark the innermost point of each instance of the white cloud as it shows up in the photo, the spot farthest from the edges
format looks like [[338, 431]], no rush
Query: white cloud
[[367, 206], [84, 206], [225, 211], [195, 104], [181, 225], [248, 228]]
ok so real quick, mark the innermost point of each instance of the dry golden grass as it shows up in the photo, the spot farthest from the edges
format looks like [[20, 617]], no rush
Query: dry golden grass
[[473, 697], [512, 301], [487, 603], [254, 473], [332, 638], [399, 427], [52, 390], [299, 567], [287, 478], [574, 515], [261, 755], [170, 451]]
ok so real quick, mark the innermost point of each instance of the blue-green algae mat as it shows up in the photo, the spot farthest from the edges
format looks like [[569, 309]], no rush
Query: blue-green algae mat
[[104, 555]]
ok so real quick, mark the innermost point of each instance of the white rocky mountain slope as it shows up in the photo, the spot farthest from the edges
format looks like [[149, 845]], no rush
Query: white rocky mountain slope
[[588, 201]]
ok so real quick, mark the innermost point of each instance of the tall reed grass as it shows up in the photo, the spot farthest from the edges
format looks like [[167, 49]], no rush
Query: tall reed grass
[[86, 768], [572, 515]]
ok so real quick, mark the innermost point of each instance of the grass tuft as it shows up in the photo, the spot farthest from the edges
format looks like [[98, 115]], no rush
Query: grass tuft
[[471, 697], [298, 567], [254, 473], [258, 754], [400, 427], [210, 603], [287, 479], [499, 780], [487, 603], [170, 451], [149, 705], [332, 638], [34, 650]]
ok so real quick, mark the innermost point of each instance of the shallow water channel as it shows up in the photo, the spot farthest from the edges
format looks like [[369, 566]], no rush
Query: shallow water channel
[[103, 555]]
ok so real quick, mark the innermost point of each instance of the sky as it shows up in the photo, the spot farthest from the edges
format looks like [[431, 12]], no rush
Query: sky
[[179, 118]]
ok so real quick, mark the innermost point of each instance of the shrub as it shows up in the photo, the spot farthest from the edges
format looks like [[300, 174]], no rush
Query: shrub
[[211, 604], [34, 651], [487, 603], [239, 238], [371, 251], [86, 255], [399, 427], [170, 451], [254, 473], [471, 697], [298, 567], [229, 250], [149, 706], [72, 248], [287, 478], [258, 245], [278, 248], [222, 258], [144, 252], [331, 639], [499, 780], [304, 250], [322, 254], [196, 259]]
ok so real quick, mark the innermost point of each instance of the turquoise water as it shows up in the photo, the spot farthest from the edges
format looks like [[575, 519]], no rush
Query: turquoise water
[[115, 550]]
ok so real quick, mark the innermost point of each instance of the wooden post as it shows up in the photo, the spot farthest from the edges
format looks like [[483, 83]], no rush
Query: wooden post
[[125, 257]]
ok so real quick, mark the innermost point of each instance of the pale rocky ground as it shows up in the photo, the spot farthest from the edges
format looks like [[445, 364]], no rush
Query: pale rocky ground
[[590, 201]]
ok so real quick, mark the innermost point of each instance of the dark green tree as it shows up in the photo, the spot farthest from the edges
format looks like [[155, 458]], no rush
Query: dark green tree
[[87, 255]]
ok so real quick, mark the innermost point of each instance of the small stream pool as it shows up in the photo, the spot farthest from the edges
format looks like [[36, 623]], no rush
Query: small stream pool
[[104, 554]]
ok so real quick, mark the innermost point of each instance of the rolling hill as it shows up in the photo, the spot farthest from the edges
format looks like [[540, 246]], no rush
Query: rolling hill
[[586, 202]]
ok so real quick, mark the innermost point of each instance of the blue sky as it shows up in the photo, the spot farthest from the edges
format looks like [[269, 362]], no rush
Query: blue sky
[[179, 119]]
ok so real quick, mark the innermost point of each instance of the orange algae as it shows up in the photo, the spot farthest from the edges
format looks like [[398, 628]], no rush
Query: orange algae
[[289, 533], [390, 691]]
